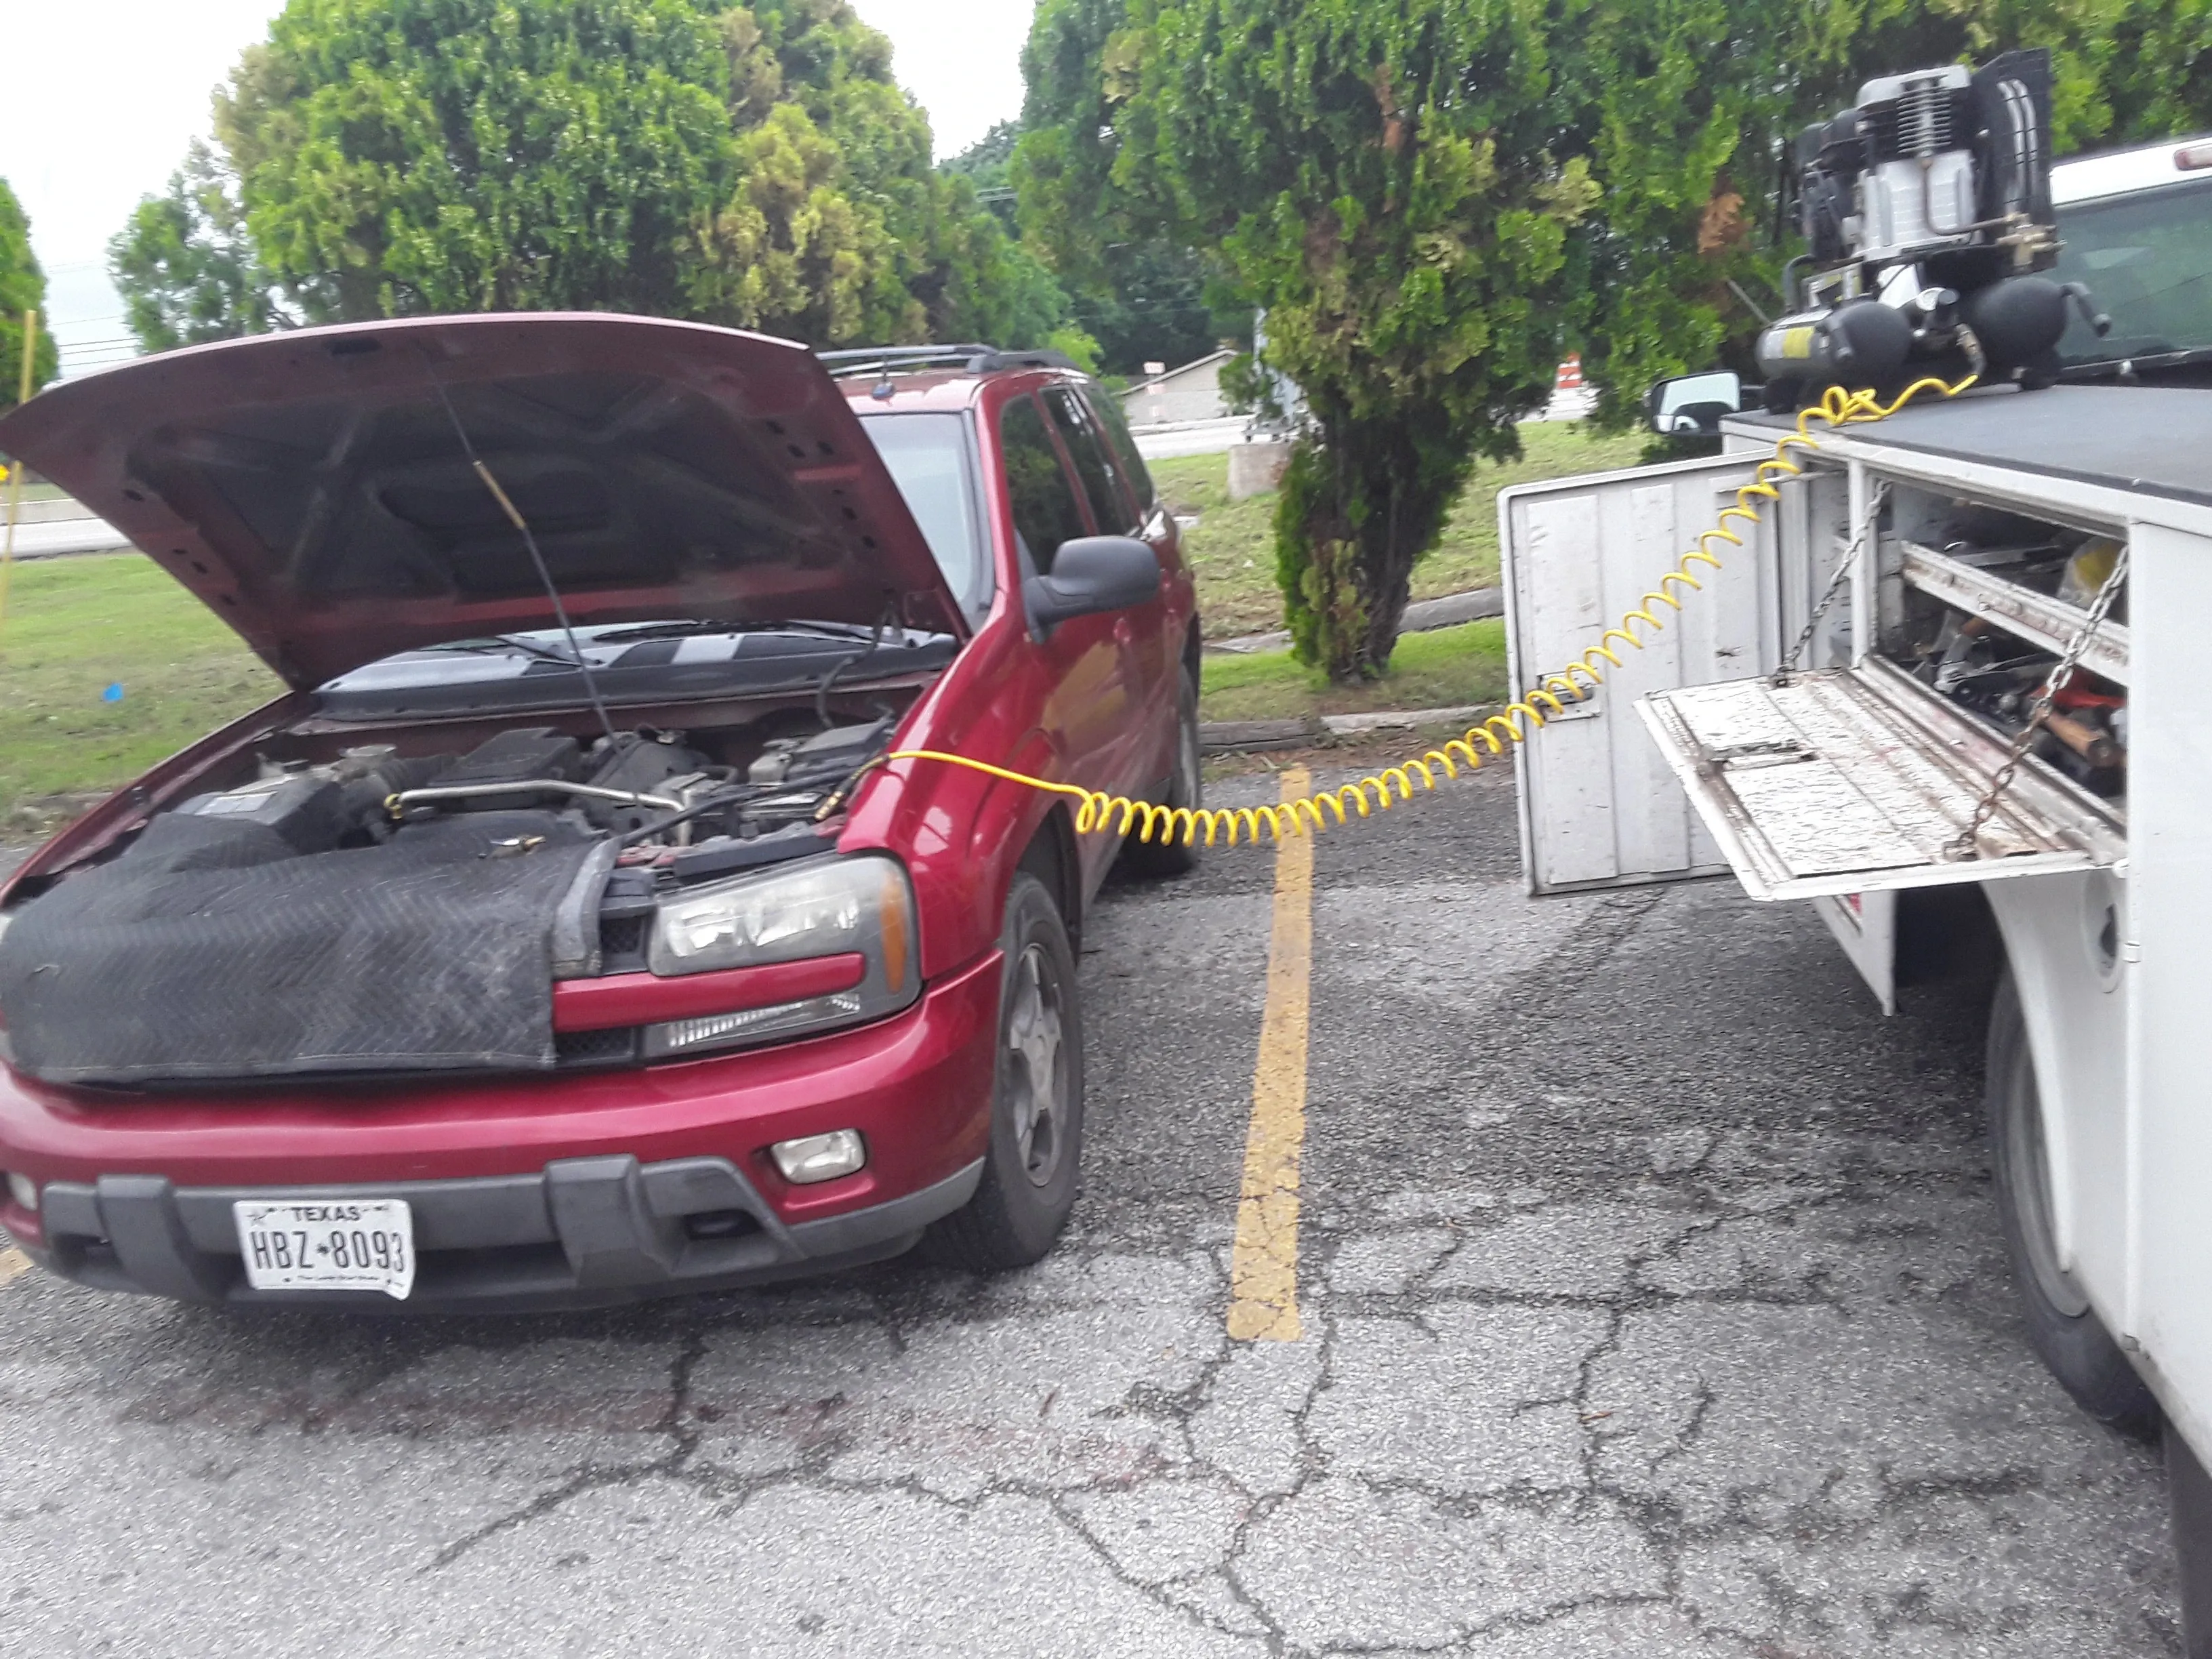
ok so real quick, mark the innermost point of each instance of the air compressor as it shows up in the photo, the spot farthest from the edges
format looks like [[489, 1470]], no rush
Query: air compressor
[[1927, 214]]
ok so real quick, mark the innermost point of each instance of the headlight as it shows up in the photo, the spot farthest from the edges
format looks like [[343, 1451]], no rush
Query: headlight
[[825, 907]]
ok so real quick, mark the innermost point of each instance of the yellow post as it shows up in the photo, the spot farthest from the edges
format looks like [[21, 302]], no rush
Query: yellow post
[[16, 472]]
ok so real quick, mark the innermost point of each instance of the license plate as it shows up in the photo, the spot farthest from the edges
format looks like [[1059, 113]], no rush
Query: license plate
[[321, 1244]]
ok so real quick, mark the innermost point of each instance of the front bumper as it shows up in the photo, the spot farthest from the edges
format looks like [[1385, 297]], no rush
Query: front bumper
[[581, 1233], [136, 1190]]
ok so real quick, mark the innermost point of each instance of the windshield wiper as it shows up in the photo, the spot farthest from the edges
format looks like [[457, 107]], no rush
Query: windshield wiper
[[529, 647]]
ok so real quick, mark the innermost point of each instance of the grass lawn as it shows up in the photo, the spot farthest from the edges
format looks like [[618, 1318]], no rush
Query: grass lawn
[[73, 628], [1445, 669], [1231, 550]]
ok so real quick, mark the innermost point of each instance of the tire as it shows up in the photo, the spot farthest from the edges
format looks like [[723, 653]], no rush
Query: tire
[[1031, 1169], [1185, 790], [2189, 1490], [2064, 1328]]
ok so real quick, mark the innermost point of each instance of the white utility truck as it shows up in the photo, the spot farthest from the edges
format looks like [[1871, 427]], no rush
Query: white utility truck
[[1893, 755]]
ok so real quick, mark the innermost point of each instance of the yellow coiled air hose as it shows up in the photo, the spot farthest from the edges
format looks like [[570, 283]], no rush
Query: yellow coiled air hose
[[1098, 811]]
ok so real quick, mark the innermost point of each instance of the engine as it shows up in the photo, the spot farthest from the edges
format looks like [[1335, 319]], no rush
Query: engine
[[650, 788], [1926, 212]]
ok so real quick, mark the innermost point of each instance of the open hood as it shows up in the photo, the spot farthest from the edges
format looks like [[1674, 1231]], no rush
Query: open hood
[[310, 489]]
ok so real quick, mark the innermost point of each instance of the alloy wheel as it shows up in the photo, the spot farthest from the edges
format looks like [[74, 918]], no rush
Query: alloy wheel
[[1036, 1025]]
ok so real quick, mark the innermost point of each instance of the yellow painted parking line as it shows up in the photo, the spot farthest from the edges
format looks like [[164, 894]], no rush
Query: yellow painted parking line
[[1263, 1272], [14, 1264]]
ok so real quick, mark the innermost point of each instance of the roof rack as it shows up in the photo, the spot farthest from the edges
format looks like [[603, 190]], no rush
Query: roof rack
[[976, 359]]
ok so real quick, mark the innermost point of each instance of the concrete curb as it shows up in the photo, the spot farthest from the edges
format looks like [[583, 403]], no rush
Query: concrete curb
[[1317, 731], [1476, 604]]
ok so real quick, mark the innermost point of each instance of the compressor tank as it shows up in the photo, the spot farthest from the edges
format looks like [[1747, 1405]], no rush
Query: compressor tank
[[1864, 343]]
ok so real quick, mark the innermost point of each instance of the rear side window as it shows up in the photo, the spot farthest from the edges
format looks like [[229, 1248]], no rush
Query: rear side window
[[1108, 408], [1045, 510], [1094, 465]]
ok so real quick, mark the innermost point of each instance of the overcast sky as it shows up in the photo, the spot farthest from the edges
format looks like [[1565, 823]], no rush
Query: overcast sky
[[108, 93]]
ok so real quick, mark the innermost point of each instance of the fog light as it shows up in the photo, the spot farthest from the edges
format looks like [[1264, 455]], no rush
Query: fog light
[[819, 1158], [24, 1191]]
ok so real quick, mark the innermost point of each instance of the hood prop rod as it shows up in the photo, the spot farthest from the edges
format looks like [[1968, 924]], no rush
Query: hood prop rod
[[537, 559]]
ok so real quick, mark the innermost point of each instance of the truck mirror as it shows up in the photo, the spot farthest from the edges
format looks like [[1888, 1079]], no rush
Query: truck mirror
[[1691, 405]]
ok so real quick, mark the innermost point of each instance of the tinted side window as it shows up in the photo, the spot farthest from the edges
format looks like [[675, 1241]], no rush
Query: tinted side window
[[1093, 463], [1045, 510], [1108, 408]]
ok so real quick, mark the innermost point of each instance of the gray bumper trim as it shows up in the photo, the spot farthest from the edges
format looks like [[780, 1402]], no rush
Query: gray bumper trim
[[583, 1233]]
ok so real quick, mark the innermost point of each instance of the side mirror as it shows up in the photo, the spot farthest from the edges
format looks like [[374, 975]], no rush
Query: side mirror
[[1092, 574], [1691, 405]]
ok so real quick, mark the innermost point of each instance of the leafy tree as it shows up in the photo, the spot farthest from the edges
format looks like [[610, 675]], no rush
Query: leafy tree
[[1144, 300], [985, 162], [414, 155], [184, 264], [22, 288], [1384, 178], [750, 165], [1159, 302], [1141, 293]]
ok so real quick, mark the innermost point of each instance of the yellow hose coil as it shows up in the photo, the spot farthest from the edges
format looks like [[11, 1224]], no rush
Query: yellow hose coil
[[1098, 811]]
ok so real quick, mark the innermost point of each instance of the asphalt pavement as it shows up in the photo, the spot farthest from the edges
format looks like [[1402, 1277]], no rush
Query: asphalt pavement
[[1650, 1303]]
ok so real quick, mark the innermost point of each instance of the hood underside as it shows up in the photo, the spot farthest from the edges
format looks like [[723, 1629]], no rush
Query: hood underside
[[314, 490]]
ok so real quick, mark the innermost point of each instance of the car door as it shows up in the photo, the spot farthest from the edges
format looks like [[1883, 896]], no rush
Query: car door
[[1156, 527], [1086, 712], [1140, 633]]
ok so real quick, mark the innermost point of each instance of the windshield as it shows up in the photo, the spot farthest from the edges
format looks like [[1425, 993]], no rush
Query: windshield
[[2147, 260], [927, 455]]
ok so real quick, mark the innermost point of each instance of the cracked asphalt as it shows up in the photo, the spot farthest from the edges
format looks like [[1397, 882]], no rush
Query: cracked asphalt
[[1653, 1304]]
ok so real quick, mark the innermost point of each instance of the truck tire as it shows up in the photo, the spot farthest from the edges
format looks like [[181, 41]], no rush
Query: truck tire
[[1185, 790], [2189, 1490], [1035, 1152], [2064, 1328]]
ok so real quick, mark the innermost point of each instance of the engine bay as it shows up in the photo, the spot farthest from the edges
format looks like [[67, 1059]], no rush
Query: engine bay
[[342, 902], [659, 791]]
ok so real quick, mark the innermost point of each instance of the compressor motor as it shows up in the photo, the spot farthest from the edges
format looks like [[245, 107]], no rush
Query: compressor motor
[[1926, 209]]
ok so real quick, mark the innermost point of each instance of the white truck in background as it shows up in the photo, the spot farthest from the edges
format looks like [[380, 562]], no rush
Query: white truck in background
[[1835, 752]]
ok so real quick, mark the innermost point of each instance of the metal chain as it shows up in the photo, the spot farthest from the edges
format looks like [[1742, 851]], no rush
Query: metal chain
[[1967, 843], [1835, 585]]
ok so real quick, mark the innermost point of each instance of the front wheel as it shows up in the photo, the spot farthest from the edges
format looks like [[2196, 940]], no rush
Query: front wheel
[[1029, 1172], [2065, 1330], [1175, 855]]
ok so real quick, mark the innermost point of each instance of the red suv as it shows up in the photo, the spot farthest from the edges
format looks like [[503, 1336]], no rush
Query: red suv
[[563, 936]]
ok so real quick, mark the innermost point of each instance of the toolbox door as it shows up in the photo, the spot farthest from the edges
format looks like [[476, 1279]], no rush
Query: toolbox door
[[1859, 781], [1598, 806]]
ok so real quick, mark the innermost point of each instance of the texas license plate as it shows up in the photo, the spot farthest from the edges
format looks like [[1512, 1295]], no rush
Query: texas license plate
[[322, 1244]]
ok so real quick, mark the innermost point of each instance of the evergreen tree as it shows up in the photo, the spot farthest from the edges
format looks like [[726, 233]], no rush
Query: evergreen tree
[[22, 288], [756, 166]]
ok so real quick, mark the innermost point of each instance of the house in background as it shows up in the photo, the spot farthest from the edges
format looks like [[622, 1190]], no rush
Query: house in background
[[1176, 396]]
